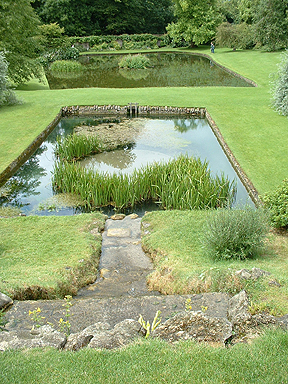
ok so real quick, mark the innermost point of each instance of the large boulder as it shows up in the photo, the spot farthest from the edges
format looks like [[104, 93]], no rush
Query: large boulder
[[122, 334], [238, 308], [195, 325], [81, 339], [44, 336], [5, 301]]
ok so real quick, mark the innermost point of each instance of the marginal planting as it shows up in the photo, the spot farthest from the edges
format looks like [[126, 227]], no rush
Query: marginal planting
[[134, 62], [75, 147], [182, 183], [65, 66]]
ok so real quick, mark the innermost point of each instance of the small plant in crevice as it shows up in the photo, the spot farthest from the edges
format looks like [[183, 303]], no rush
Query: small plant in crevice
[[146, 325], [64, 324], [35, 317], [236, 233]]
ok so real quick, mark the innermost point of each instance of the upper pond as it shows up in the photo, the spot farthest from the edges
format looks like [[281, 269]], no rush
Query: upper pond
[[167, 70], [157, 139]]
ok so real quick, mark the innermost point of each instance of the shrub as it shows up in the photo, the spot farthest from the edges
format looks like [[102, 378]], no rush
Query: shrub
[[277, 204], [7, 96], [280, 87], [134, 62], [235, 233], [65, 66]]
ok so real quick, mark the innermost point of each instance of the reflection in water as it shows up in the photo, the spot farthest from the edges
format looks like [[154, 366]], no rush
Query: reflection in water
[[157, 139], [25, 182], [167, 70], [120, 159]]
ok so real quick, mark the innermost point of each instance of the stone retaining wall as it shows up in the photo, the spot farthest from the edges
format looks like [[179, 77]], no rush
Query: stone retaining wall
[[138, 110]]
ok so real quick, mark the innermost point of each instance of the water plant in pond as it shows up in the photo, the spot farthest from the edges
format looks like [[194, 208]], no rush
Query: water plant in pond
[[75, 147], [134, 62], [181, 183], [66, 66]]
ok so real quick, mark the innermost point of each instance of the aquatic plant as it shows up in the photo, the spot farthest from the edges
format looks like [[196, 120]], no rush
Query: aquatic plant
[[65, 66], [75, 147], [134, 62], [181, 183]]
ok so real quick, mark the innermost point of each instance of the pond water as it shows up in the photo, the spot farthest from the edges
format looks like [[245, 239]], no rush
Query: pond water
[[159, 139], [167, 70]]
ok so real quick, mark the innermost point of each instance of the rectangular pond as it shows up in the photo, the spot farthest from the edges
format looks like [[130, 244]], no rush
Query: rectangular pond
[[164, 70], [154, 139]]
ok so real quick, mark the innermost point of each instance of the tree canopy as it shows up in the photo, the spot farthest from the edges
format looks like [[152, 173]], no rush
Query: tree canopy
[[196, 21], [18, 34], [96, 17]]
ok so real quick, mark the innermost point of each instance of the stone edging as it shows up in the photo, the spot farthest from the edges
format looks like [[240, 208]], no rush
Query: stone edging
[[85, 110], [252, 191]]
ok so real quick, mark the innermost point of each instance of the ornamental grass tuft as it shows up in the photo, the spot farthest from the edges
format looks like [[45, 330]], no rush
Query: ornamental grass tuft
[[236, 233]]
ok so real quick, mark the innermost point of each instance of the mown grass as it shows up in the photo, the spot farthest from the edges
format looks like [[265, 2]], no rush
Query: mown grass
[[48, 257], [264, 361], [182, 264], [254, 132]]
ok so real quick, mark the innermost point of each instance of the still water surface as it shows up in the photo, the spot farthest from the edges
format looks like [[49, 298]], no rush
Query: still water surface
[[167, 70], [160, 140]]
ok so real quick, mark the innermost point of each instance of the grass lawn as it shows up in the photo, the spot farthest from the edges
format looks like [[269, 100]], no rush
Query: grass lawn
[[152, 361], [38, 248], [48, 257]]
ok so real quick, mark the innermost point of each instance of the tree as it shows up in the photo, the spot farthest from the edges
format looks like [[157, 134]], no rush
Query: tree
[[96, 17], [280, 90], [196, 21], [18, 31], [271, 23], [7, 96], [235, 36]]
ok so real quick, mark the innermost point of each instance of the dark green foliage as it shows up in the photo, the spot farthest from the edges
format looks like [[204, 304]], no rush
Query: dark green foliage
[[280, 87], [100, 17], [182, 183], [235, 36], [235, 233], [271, 24], [19, 38], [277, 203]]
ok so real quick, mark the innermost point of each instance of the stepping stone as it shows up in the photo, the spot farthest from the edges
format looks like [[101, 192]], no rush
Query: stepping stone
[[119, 232]]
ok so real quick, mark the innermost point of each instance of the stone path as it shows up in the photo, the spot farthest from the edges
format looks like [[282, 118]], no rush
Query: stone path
[[120, 292]]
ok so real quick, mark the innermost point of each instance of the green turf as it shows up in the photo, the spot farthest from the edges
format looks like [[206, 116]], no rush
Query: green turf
[[152, 361], [48, 252], [255, 133]]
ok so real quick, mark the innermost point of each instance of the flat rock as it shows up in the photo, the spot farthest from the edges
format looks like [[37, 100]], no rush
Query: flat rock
[[119, 232]]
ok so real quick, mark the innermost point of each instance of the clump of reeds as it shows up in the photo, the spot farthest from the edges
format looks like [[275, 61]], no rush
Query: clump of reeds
[[182, 183], [66, 66], [75, 147], [134, 62]]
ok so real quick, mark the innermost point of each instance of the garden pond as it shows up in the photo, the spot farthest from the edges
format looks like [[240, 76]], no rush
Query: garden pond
[[155, 139], [165, 70]]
